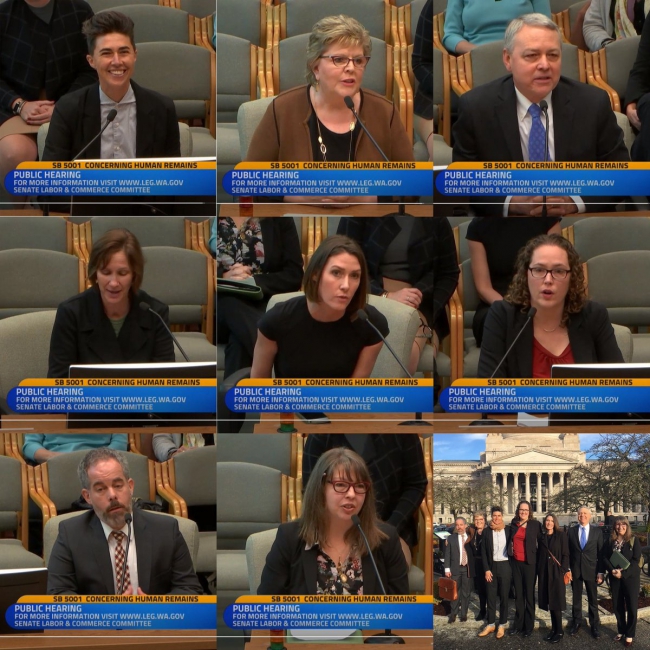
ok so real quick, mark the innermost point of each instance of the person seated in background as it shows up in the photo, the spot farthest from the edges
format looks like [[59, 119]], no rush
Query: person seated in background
[[40, 448], [469, 23], [422, 63], [396, 466], [399, 253], [607, 21], [493, 247], [168, 445], [264, 252], [145, 126], [88, 557], [312, 123], [445, 277], [323, 552], [320, 334], [637, 97], [106, 323], [42, 57], [567, 328], [502, 120]]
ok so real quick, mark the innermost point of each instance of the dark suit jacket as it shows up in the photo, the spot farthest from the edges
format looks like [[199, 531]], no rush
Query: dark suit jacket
[[28, 46], [452, 556], [591, 337], [292, 570], [80, 562], [585, 564], [638, 83], [487, 129], [77, 120], [83, 334], [374, 234], [487, 548], [631, 553]]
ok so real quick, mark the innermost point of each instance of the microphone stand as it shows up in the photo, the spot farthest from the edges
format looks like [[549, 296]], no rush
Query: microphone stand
[[544, 106]]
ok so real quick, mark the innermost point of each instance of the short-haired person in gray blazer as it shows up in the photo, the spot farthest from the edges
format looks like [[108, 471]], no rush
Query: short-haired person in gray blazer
[[498, 574], [585, 557], [459, 566]]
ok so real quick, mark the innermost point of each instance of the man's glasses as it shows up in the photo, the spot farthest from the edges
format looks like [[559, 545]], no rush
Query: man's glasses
[[540, 273], [343, 61], [342, 487]]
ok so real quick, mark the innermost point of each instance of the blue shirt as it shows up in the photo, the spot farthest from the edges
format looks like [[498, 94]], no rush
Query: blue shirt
[[64, 442]]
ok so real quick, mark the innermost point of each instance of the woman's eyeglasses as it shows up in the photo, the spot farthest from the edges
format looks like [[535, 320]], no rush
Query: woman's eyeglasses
[[342, 487], [540, 273], [343, 61]]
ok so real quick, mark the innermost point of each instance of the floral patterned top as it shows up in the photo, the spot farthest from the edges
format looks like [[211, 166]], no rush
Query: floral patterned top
[[331, 583], [240, 245]]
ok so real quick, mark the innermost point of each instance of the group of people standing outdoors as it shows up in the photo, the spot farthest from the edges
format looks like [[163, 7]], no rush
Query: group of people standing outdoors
[[498, 557]]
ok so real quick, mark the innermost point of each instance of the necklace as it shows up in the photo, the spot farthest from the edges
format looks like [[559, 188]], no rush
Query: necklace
[[323, 148], [549, 331], [340, 568]]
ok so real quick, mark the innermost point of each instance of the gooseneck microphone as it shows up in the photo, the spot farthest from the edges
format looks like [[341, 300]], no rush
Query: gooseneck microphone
[[112, 114], [145, 306], [484, 421], [128, 519], [544, 108], [350, 104], [387, 636]]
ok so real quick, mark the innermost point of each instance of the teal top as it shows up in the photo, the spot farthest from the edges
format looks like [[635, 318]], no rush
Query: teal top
[[485, 21], [66, 442]]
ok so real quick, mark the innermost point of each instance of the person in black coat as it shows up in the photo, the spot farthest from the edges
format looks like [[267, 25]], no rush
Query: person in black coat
[[459, 566], [551, 590], [480, 585], [105, 324], [566, 328], [637, 97], [323, 552], [625, 584]]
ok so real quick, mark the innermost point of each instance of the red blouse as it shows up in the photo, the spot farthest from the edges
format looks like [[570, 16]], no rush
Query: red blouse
[[519, 544], [543, 359]]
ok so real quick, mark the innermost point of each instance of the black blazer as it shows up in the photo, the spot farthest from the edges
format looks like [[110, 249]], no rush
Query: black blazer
[[292, 570], [77, 120], [487, 129], [591, 337], [533, 531], [550, 583], [83, 334], [452, 556], [374, 235], [631, 553], [585, 564], [487, 548], [80, 562], [638, 83], [28, 46]]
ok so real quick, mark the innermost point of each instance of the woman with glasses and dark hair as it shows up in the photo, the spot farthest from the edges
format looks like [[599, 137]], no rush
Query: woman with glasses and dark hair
[[625, 583], [323, 552], [566, 328], [525, 533], [312, 122]]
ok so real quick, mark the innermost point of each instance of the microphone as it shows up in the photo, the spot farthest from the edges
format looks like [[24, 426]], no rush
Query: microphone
[[350, 104], [128, 519], [361, 315], [484, 421], [112, 114], [386, 636], [145, 306], [544, 108]]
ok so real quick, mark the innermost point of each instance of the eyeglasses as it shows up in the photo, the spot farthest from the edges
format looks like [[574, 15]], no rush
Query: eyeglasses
[[522, 510], [342, 487], [540, 273], [621, 525], [343, 61]]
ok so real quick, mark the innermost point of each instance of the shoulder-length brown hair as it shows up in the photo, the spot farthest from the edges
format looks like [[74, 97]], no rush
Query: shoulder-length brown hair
[[335, 245], [519, 293], [556, 523], [315, 521], [115, 241], [628, 530]]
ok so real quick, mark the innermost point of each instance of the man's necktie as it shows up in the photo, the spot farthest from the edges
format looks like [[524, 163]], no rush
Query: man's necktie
[[120, 562], [463, 558], [583, 538], [537, 137]]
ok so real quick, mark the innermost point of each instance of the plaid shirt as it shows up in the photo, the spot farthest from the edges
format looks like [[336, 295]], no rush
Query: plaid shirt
[[35, 55], [396, 465], [445, 274], [423, 63]]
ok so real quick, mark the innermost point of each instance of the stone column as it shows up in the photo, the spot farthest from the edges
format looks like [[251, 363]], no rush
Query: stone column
[[538, 509], [515, 491], [527, 497], [549, 489]]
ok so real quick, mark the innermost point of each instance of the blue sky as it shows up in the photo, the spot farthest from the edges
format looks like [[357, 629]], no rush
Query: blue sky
[[468, 446]]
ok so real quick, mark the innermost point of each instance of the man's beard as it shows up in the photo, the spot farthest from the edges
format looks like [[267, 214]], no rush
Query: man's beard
[[115, 519]]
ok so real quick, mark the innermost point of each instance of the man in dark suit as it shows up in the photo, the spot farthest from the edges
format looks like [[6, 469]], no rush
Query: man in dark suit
[[585, 548], [498, 574], [145, 126], [89, 555], [459, 565], [637, 97], [503, 120]]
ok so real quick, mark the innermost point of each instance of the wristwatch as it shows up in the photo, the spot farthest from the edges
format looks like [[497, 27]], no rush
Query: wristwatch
[[18, 106]]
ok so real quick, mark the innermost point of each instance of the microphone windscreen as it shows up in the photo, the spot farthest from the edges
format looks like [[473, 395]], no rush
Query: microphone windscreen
[[348, 102], [128, 518], [355, 520], [361, 315], [531, 312], [543, 105], [112, 114], [145, 306]]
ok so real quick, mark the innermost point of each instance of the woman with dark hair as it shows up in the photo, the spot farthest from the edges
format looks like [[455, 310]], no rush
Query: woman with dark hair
[[625, 583], [479, 571], [552, 564], [525, 532], [323, 552], [335, 285], [106, 324], [566, 327]]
